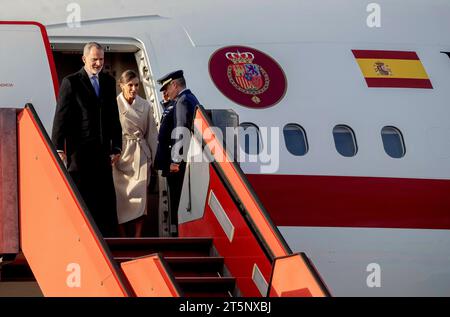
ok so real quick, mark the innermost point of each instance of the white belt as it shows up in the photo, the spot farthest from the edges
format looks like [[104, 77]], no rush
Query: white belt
[[142, 146]]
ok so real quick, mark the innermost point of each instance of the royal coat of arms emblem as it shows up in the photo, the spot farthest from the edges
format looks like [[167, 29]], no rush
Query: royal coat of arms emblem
[[246, 76]]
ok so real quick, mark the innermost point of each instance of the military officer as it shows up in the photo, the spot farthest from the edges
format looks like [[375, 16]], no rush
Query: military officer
[[163, 158], [179, 114]]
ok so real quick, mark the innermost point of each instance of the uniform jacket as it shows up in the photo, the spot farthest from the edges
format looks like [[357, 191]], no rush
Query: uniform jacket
[[162, 157], [184, 115]]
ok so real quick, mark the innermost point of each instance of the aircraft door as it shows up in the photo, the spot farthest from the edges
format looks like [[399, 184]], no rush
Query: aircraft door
[[147, 82], [26, 69], [160, 188]]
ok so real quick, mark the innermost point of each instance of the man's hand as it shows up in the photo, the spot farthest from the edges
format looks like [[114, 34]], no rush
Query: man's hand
[[63, 157], [174, 167], [114, 158]]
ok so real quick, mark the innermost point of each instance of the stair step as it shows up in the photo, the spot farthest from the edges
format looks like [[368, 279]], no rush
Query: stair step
[[196, 266], [20, 289], [208, 294], [206, 286], [197, 273], [189, 266], [16, 271], [136, 247]]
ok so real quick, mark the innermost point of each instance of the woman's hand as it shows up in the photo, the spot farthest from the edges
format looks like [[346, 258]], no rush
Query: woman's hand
[[114, 158], [174, 167]]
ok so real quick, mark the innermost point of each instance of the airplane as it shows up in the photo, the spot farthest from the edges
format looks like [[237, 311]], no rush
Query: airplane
[[343, 105]]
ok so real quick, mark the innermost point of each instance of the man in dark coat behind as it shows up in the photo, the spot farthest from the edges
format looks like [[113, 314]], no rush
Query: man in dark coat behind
[[88, 136], [163, 156], [182, 114]]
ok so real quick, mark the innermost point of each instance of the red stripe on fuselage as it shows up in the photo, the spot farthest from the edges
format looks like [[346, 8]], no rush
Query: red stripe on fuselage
[[369, 202], [399, 83], [385, 54]]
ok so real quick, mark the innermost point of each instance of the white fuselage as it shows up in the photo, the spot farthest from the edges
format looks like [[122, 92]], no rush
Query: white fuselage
[[312, 41]]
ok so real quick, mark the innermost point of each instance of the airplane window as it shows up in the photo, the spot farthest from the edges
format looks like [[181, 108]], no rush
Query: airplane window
[[393, 142], [295, 139], [250, 138], [345, 140]]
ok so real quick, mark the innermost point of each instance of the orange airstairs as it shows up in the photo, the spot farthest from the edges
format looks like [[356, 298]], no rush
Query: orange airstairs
[[47, 236]]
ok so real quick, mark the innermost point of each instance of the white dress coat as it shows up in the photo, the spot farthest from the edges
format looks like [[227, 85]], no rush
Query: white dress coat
[[131, 172]]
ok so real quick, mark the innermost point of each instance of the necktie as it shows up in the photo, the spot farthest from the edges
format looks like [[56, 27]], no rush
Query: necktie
[[95, 85]]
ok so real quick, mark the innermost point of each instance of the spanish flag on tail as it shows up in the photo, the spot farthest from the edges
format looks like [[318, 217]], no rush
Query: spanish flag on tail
[[392, 69]]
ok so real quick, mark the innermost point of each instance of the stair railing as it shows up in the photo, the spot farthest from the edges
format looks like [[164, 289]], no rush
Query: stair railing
[[292, 274]]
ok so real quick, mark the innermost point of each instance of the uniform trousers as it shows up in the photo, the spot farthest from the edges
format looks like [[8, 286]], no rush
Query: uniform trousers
[[175, 182]]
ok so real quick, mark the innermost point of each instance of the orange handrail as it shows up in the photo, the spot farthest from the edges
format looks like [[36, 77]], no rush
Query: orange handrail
[[292, 274], [58, 237], [149, 277], [257, 215], [292, 277]]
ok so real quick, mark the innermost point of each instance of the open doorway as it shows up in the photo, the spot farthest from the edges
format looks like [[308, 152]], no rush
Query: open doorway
[[118, 58]]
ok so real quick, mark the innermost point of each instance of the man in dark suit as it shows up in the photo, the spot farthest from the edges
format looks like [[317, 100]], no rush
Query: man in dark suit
[[183, 114], [88, 135]]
